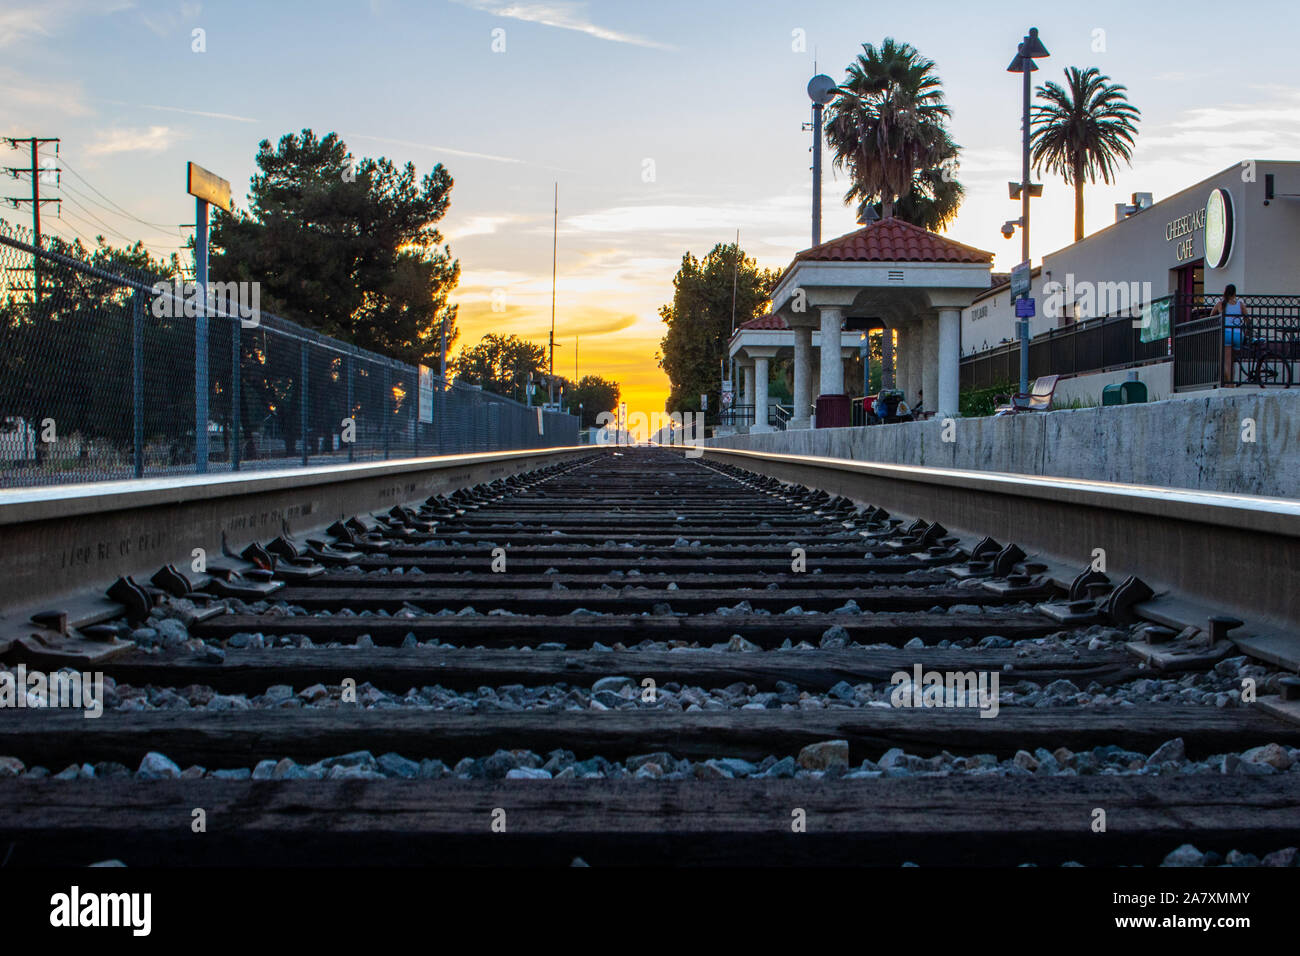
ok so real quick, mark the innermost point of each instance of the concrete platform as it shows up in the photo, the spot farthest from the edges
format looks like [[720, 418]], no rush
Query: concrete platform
[[1237, 553], [1231, 440], [68, 540]]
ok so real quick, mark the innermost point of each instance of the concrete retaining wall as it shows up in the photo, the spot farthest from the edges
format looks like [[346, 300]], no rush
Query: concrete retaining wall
[[1159, 380], [1184, 443]]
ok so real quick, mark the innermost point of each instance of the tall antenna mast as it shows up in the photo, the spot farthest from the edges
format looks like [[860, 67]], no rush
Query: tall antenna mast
[[735, 271], [821, 90], [555, 240]]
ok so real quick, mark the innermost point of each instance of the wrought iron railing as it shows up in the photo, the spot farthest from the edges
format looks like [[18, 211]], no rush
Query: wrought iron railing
[[1264, 343], [737, 416], [1175, 327]]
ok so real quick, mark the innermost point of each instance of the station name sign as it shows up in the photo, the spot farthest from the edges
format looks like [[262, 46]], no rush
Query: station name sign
[[1185, 226], [208, 186]]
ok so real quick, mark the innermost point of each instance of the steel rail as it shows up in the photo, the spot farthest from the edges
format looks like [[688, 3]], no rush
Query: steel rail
[[1239, 552]]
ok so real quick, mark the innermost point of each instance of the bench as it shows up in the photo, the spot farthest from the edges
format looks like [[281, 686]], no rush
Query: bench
[[1037, 399]]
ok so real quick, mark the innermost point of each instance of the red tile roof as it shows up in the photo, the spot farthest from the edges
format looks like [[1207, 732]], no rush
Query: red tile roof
[[893, 240], [765, 322]]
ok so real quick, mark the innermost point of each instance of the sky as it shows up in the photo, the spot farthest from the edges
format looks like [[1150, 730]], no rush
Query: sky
[[667, 126]]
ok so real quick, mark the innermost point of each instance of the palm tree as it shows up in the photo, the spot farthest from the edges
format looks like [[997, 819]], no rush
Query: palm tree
[[1083, 131], [887, 129], [932, 201]]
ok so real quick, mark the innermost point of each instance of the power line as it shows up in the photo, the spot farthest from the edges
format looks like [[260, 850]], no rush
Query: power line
[[125, 212], [90, 215], [108, 209], [63, 225], [115, 232]]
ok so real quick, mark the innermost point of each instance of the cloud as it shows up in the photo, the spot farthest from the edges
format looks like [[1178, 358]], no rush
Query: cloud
[[155, 139], [479, 226], [675, 219], [43, 19], [564, 16], [163, 23], [431, 148], [1221, 135], [223, 116], [585, 321], [41, 95], [1249, 118]]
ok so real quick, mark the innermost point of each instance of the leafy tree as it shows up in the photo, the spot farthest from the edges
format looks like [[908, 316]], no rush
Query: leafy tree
[[503, 364], [887, 129], [699, 320], [69, 358], [595, 395], [348, 249], [1083, 131]]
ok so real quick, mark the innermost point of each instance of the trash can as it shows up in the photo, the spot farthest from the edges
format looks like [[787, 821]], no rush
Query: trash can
[[1135, 392], [834, 411], [1124, 393]]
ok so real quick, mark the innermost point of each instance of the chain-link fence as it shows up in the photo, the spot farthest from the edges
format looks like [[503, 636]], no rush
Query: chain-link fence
[[106, 371]]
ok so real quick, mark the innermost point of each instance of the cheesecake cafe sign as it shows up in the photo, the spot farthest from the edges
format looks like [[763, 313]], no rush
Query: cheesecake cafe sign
[[1215, 219], [1183, 230]]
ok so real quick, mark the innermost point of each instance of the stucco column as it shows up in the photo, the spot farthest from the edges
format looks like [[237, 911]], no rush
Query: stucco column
[[832, 365], [747, 377], [915, 361], [903, 361], [930, 356], [949, 363], [760, 396], [803, 393], [887, 378]]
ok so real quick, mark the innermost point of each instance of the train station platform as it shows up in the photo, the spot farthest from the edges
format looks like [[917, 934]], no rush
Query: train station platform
[[1231, 441]]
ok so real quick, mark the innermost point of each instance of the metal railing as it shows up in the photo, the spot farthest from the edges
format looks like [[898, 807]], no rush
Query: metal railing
[[1093, 345], [1265, 345], [743, 415], [96, 384], [1172, 328], [737, 416]]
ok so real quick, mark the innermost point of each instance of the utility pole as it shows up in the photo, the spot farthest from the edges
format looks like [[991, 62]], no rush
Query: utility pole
[[34, 143], [555, 240]]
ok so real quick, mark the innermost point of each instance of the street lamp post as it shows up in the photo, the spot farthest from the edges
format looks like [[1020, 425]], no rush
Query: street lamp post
[[1030, 49]]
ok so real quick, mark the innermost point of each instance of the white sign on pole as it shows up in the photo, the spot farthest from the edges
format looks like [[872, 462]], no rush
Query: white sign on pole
[[426, 394], [1020, 280]]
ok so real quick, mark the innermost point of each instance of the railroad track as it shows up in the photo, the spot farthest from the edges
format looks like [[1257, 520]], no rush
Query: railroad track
[[644, 658]]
